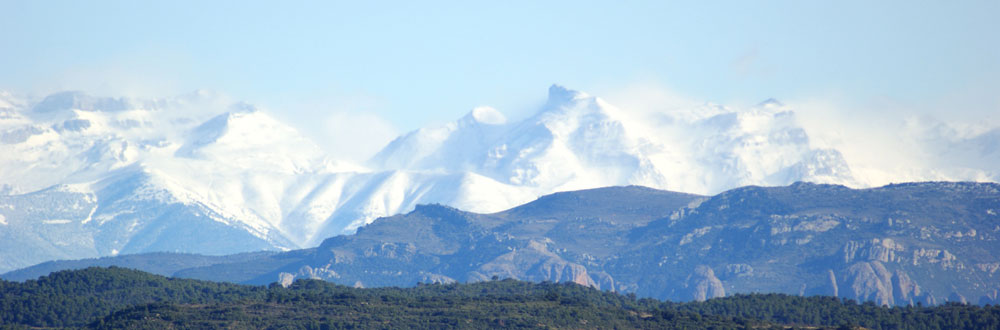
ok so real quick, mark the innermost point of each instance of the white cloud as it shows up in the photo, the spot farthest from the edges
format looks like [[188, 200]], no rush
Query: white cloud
[[647, 98], [882, 140], [347, 124], [886, 141], [142, 73]]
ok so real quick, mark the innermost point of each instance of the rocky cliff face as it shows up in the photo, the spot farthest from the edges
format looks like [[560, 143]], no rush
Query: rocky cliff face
[[898, 244], [904, 244], [702, 284], [558, 238]]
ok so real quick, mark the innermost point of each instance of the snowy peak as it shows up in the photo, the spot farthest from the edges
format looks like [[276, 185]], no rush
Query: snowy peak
[[559, 95], [485, 115], [431, 147], [572, 142], [570, 106], [248, 137], [483, 141], [233, 125]]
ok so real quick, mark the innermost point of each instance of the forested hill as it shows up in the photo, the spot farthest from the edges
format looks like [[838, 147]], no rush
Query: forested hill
[[123, 298]]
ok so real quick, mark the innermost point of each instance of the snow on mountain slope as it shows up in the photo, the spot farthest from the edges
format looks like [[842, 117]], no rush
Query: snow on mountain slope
[[373, 195], [578, 141], [84, 176], [119, 161], [571, 143], [166, 175]]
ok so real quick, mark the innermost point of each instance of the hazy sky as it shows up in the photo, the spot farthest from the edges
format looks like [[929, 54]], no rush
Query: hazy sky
[[402, 65]]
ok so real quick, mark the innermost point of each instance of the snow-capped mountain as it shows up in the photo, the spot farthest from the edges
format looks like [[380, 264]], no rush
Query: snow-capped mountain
[[578, 141], [84, 176]]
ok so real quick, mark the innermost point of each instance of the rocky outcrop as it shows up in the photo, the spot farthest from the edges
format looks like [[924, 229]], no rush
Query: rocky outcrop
[[832, 288], [870, 281], [737, 270], [702, 284], [286, 279], [946, 260], [534, 262], [426, 277], [882, 250], [604, 281], [990, 297], [306, 272], [989, 268], [873, 281], [905, 290]]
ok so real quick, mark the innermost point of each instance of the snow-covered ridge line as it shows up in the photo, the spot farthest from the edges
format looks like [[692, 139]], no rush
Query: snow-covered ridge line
[[132, 171]]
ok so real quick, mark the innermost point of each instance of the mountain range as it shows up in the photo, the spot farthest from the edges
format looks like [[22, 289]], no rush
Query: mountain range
[[84, 176], [904, 244]]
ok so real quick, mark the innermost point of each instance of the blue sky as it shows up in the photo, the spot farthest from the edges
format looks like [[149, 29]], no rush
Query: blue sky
[[413, 64]]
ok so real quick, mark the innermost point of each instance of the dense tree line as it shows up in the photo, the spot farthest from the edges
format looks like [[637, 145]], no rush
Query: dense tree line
[[123, 298], [832, 311], [495, 304], [72, 298]]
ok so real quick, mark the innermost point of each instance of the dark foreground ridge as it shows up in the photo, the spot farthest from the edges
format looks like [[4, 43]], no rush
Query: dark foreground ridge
[[112, 298]]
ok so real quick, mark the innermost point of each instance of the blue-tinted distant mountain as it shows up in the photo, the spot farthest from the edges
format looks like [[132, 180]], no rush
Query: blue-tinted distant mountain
[[899, 244]]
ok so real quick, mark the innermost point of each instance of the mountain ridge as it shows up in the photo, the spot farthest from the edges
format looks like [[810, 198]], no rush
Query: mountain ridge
[[901, 244]]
